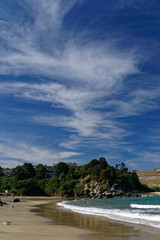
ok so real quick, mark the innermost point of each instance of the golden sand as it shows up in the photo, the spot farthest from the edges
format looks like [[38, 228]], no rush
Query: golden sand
[[17, 222]]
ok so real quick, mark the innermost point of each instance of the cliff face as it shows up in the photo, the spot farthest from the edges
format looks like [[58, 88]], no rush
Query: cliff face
[[150, 178]]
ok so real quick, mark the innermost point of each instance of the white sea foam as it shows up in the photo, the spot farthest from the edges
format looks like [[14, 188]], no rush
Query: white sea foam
[[145, 206], [127, 215]]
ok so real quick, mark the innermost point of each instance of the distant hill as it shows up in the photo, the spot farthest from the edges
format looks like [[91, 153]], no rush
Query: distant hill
[[150, 178]]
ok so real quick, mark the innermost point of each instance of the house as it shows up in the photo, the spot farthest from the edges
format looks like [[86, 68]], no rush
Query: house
[[49, 175], [53, 168], [8, 172], [50, 170]]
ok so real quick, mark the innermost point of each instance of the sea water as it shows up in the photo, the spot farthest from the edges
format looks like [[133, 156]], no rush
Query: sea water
[[139, 210]]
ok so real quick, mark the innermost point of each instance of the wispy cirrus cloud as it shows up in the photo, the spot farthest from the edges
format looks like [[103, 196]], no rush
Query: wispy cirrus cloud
[[93, 67], [85, 118], [16, 153], [95, 64], [135, 103], [74, 72], [138, 4], [144, 159]]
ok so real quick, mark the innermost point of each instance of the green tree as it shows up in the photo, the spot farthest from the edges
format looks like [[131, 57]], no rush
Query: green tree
[[104, 175], [103, 163], [29, 170], [52, 186], [40, 171], [28, 187], [1, 172], [18, 172], [92, 163], [134, 181], [24, 172], [67, 187], [110, 172], [61, 167], [123, 168], [95, 172]]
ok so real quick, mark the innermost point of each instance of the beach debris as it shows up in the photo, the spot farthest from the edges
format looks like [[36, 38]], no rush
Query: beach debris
[[7, 223]]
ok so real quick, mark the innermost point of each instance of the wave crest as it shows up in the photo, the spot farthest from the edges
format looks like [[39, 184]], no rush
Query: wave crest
[[144, 206]]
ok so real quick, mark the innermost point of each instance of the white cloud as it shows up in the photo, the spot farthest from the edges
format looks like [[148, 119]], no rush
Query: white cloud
[[13, 153], [37, 47], [138, 4], [83, 119], [136, 102], [94, 68], [87, 70], [145, 160], [86, 77]]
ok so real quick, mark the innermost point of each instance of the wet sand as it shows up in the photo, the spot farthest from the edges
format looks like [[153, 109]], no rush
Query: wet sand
[[40, 218], [100, 228]]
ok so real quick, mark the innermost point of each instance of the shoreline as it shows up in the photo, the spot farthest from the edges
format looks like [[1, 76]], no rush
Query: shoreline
[[32, 219], [100, 228], [150, 194], [26, 225]]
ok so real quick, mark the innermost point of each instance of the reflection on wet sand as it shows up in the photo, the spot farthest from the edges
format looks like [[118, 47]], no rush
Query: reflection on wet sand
[[101, 228]]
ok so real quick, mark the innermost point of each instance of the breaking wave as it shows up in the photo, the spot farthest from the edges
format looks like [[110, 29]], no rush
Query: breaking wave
[[134, 214]]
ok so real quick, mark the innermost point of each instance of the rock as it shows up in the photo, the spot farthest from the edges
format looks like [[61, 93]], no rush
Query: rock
[[108, 195], [2, 203], [112, 189], [16, 200], [7, 223]]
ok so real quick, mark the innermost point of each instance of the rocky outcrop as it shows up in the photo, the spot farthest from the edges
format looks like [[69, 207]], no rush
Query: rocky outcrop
[[97, 190]]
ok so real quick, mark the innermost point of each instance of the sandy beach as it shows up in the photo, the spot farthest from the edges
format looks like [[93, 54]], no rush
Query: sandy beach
[[48, 221], [26, 225]]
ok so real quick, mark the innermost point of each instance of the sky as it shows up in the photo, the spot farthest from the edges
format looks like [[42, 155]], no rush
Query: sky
[[79, 79]]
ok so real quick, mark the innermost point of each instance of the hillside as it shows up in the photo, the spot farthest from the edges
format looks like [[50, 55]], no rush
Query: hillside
[[150, 178], [94, 179]]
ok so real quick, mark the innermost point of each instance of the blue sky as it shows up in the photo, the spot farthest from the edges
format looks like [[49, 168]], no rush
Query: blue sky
[[79, 79]]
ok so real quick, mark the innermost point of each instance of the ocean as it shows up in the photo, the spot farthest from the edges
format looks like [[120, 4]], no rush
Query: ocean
[[138, 210]]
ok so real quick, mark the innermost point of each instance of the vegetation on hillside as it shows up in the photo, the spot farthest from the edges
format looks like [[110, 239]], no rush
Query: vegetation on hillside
[[71, 180], [150, 178]]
